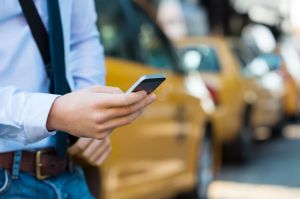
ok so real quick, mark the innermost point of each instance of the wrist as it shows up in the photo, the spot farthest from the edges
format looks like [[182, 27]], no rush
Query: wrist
[[53, 116]]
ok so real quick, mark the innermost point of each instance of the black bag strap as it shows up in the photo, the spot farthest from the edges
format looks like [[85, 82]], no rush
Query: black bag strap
[[42, 40], [38, 31]]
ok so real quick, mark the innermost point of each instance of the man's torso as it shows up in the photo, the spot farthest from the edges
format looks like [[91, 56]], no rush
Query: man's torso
[[21, 64]]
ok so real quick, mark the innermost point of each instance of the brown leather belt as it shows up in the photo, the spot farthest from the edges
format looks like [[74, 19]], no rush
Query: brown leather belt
[[43, 163]]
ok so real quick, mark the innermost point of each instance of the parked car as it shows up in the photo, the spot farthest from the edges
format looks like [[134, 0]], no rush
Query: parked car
[[158, 154], [291, 58], [263, 44], [264, 79], [220, 71], [169, 150]]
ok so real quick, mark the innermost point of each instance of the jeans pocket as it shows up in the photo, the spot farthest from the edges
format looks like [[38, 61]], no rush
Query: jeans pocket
[[78, 184], [4, 181]]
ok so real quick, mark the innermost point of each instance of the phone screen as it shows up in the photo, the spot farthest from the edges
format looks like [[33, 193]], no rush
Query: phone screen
[[148, 83]]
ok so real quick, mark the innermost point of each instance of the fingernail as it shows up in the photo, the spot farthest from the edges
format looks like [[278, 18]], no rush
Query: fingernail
[[142, 93], [153, 97]]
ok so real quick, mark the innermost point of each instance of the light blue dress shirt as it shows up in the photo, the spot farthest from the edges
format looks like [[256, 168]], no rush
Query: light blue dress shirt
[[24, 99]]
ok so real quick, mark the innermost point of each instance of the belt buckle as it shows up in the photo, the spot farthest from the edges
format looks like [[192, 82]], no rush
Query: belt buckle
[[38, 164]]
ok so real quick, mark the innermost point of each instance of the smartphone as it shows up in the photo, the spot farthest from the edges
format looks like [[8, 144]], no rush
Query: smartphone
[[147, 83]]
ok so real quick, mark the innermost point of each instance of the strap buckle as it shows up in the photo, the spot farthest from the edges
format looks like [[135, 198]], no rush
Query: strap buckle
[[38, 164]]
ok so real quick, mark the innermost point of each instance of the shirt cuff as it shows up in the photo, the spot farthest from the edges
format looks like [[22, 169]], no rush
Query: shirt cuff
[[35, 114]]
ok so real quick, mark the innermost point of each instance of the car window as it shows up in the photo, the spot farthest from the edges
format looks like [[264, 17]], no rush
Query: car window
[[112, 27], [242, 53], [242, 57], [209, 60], [155, 50], [274, 61]]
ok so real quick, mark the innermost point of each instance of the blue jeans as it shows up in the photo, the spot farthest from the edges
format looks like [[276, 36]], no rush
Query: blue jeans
[[65, 186]]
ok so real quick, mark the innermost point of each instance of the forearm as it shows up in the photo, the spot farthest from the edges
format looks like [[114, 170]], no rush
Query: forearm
[[23, 115]]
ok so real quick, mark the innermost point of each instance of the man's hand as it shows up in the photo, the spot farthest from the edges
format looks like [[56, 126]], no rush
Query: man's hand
[[95, 152], [96, 111]]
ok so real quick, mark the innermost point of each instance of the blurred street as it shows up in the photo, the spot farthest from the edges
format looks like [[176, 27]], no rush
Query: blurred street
[[274, 172]]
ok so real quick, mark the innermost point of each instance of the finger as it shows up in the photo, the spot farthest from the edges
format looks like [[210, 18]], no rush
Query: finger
[[124, 111], [152, 96], [121, 121], [79, 146], [103, 157], [100, 151], [92, 147], [122, 100], [106, 89]]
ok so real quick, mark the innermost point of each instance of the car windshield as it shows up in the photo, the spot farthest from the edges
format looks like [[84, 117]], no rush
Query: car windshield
[[209, 60], [243, 53], [274, 61], [134, 38], [242, 56]]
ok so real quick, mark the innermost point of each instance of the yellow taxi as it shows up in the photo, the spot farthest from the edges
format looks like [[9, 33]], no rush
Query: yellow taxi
[[167, 152], [263, 78], [266, 98], [158, 154], [212, 57], [281, 58], [291, 59], [247, 102]]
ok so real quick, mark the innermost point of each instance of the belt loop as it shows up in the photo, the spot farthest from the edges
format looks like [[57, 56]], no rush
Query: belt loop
[[16, 165]]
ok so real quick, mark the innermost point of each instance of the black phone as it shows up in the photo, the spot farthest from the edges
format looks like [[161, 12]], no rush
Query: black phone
[[147, 83]]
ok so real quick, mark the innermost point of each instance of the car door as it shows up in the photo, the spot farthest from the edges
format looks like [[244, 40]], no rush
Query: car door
[[267, 107], [153, 155]]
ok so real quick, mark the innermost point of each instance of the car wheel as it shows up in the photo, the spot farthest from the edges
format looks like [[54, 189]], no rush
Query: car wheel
[[245, 144], [205, 171], [277, 130], [241, 150], [206, 167]]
